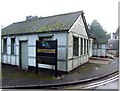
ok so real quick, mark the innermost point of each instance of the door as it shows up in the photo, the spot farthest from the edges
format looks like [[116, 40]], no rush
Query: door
[[23, 55]]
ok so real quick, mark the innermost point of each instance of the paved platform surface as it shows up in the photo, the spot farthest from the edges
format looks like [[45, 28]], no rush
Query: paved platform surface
[[15, 77]]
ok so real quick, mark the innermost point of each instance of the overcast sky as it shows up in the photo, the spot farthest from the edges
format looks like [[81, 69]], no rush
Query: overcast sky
[[105, 11]]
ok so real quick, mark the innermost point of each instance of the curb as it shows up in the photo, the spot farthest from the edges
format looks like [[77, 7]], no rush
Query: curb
[[58, 84]]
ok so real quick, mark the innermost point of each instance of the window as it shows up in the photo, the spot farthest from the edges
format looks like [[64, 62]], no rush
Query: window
[[87, 46], [12, 45], [81, 46], [4, 45], [75, 46], [98, 46], [40, 39], [93, 46], [84, 46]]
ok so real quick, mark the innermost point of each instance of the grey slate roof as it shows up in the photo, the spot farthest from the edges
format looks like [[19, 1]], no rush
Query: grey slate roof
[[113, 44], [51, 23]]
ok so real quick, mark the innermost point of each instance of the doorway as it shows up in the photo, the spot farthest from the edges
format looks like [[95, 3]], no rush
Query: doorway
[[23, 55]]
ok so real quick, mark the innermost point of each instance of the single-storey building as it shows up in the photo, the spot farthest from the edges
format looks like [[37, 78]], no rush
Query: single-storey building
[[116, 35], [99, 45], [91, 43], [19, 40], [113, 47], [99, 48]]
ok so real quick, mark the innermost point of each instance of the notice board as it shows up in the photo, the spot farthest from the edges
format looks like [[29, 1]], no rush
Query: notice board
[[46, 53]]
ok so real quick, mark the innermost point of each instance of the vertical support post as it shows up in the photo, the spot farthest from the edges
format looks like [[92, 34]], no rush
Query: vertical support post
[[36, 72], [56, 71]]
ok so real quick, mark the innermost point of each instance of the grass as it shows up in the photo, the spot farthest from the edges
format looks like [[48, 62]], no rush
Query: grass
[[14, 72], [28, 75], [43, 76]]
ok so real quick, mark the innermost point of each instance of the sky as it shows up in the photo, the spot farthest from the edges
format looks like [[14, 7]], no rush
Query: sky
[[104, 11]]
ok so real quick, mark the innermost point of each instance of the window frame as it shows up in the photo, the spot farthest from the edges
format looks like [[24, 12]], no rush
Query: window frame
[[87, 46], [75, 46], [12, 45], [5, 46], [99, 46], [81, 42], [84, 46]]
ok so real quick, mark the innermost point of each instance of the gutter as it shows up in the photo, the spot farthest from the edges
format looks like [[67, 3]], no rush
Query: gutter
[[65, 30]]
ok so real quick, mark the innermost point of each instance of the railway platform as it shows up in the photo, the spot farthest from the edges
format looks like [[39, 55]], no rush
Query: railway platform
[[15, 78]]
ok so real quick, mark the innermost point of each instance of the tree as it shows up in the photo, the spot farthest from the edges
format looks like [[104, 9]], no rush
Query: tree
[[98, 31]]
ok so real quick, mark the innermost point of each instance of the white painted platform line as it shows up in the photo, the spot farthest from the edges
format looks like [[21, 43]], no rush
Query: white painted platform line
[[97, 84], [100, 83]]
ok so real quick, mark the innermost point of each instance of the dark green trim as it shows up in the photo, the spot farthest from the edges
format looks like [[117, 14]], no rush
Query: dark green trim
[[76, 57], [66, 51], [62, 46], [31, 45], [62, 60], [31, 57], [10, 54], [53, 31], [5, 54], [46, 36]]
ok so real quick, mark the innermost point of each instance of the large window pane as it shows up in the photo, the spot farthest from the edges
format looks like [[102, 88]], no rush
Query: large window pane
[[81, 46], [87, 46], [4, 45], [75, 46], [84, 46], [12, 45]]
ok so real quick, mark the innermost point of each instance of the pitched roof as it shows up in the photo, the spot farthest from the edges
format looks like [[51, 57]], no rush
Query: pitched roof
[[117, 31], [51, 23], [113, 44]]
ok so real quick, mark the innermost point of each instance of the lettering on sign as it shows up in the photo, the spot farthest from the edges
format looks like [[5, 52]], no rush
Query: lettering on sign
[[46, 50], [46, 53]]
